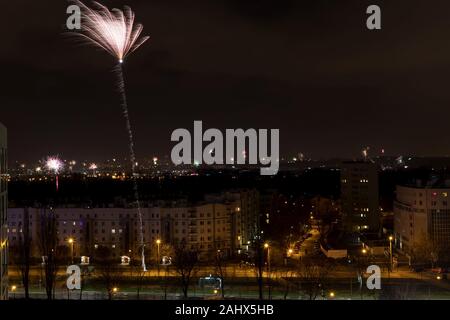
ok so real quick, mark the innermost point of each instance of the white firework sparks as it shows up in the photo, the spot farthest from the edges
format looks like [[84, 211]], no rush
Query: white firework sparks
[[54, 164], [112, 30]]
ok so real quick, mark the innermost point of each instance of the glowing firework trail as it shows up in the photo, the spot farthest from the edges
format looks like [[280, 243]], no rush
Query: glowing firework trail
[[115, 32], [54, 164]]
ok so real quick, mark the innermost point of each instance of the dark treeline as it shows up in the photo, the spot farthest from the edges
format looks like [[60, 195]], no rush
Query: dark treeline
[[77, 189]]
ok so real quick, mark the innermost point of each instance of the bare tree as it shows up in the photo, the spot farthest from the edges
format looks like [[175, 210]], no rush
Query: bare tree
[[140, 280], [285, 280], [258, 247], [427, 252], [403, 291], [141, 273], [108, 269], [312, 276], [21, 254], [162, 255], [325, 212], [360, 263], [185, 262], [221, 267], [47, 235]]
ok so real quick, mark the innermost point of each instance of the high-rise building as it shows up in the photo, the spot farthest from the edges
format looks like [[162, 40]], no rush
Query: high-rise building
[[359, 196], [3, 216], [421, 215]]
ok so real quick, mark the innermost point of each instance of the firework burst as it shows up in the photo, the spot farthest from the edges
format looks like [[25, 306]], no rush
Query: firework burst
[[112, 30], [54, 164], [116, 32]]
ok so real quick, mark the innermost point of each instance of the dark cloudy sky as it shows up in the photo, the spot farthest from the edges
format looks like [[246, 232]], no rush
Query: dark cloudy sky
[[309, 68]]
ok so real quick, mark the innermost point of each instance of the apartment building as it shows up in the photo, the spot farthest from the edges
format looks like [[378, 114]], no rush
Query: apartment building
[[223, 222], [3, 216], [422, 213]]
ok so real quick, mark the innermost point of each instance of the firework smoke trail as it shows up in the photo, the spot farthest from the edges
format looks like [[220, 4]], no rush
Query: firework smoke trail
[[124, 104], [115, 32]]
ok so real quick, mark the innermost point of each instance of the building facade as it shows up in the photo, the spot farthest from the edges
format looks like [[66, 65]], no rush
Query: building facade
[[221, 222], [359, 196], [3, 216], [422, 214]]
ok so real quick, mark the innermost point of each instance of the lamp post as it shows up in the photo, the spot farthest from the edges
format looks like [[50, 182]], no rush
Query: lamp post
[[390, 253], [158, 243], [114, 291], [362, 266], [266, 246], [13, 289], [71, 242]]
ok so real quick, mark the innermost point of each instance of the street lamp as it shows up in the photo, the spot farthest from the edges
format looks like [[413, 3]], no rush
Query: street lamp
[[13, 289], [266, 246], [390, 252], [71, 242], [158, 244], [364, 251], [115, 290], [331, 294]]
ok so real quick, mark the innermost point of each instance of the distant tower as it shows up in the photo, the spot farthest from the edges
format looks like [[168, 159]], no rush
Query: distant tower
[[3, 222], [359, 196]]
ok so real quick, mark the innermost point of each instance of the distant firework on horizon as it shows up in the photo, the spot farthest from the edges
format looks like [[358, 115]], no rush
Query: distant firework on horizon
[[54, 164]]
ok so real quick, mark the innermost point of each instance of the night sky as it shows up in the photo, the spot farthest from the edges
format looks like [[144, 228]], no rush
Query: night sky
[[309, 68]]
